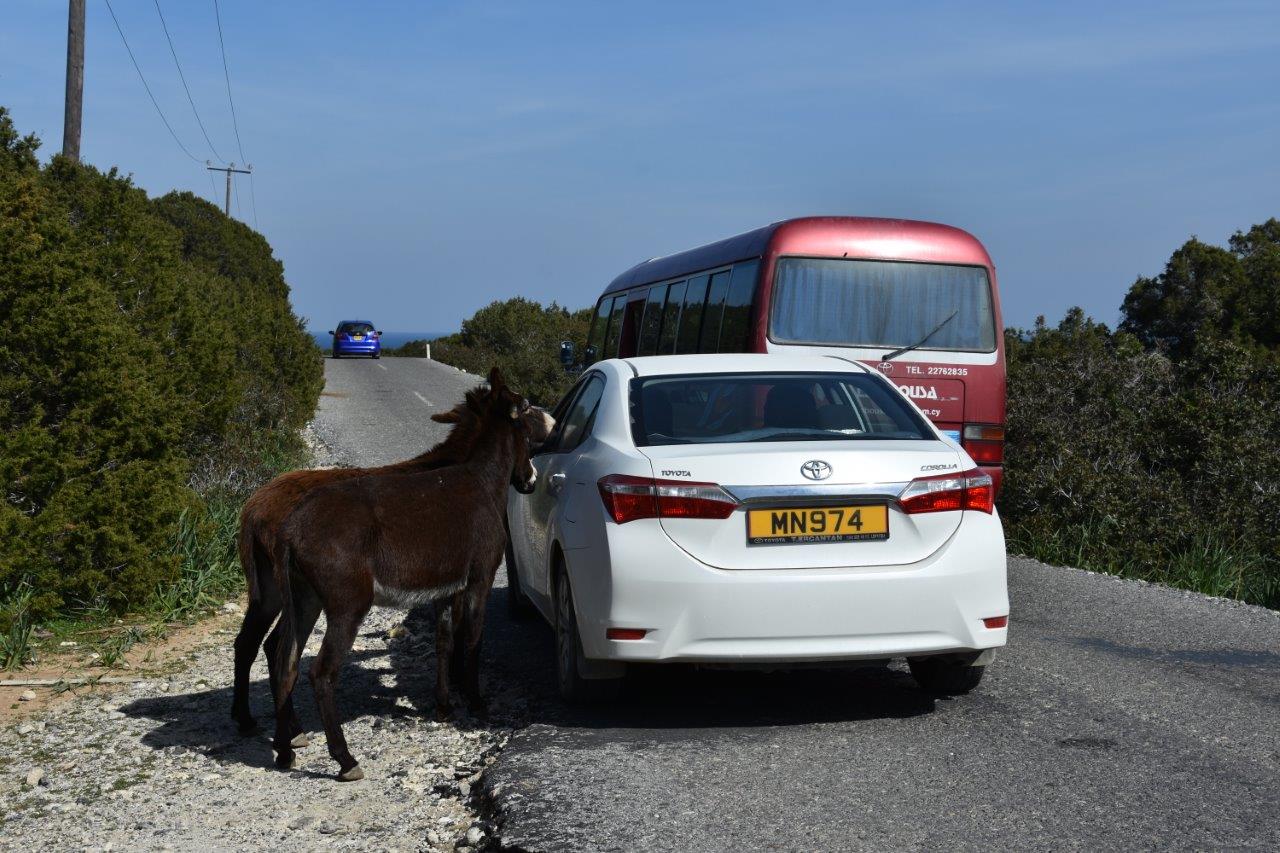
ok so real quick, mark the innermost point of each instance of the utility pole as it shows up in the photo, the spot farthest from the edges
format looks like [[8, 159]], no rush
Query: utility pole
[[229, 168], [75, 81]]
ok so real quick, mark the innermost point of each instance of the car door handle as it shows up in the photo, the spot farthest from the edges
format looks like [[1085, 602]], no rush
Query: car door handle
[[556, 482]]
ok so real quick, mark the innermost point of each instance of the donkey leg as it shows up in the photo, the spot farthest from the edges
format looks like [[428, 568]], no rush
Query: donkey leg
[[475, 598], [296, 621], [444, 655], [304, 621], [257, 619], [339, 634]]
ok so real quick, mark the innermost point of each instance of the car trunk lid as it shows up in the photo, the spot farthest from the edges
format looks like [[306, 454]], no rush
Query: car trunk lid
[[767, 477]]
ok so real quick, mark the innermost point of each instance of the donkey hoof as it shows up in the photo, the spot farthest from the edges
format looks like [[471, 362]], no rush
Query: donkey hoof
[[247, 727], [300, 740], [286, 760], [351, 774], [443, 714]]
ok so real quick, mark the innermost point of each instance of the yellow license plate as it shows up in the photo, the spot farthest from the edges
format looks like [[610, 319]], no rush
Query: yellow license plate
[[358, 337], [809, 525]]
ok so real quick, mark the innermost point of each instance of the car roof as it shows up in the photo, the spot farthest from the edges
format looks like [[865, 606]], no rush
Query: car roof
[[340, 322], [667, 365]]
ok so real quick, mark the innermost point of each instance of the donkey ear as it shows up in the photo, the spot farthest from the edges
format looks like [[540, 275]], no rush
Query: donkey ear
[[449, 417], [495, 378]]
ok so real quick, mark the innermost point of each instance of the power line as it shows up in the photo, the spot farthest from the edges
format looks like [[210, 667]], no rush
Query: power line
[[154, 102], [235, 125], [183, 78], [213, 187], [226, 73]]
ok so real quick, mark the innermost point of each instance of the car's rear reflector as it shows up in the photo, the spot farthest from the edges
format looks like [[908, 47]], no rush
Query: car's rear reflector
[[965, 490], [996, 621], [626, 633], [627, 498], [984, 442]]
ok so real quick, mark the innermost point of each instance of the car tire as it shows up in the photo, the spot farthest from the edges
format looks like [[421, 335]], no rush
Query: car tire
[[573, 687], [334, 354], [377, 355], [946, 675], [519, 607]]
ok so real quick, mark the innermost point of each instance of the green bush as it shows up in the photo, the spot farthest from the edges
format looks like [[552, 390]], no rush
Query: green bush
[[149, 353], [1150, 451], [522, 337]]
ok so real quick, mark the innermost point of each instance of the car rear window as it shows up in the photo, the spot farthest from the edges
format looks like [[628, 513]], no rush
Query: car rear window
[[355, 328], [745, 407]]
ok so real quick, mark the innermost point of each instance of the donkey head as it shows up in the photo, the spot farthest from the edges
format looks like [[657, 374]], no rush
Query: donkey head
[[527, 424]]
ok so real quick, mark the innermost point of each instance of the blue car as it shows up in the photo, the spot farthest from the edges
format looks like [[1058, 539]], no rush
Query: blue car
[[356, 337]]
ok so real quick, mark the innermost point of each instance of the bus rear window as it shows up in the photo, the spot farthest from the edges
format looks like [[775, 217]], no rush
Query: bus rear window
[[847, 302]]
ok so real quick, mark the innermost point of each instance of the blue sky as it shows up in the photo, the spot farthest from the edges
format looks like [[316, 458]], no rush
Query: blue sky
[[417, 160]]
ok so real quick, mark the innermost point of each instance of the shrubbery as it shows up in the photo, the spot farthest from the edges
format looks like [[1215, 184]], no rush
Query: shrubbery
[[520, 336], [1150, 451], [151, 362]]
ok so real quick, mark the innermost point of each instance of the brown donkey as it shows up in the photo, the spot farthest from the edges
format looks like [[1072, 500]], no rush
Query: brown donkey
[[267, 509], [399, 538]]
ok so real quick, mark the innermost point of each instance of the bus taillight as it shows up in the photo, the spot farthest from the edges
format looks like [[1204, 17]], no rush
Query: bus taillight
[[985, 443]]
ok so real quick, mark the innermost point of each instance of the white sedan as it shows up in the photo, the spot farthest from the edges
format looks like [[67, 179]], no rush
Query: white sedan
[[756, 509]]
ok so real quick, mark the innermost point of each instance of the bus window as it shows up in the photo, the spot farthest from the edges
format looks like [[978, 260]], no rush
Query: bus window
[[652, 322], [598, 325], [615, 327], [715, 310], [737, 308], [671, 319], [631, 315], [691, 317]]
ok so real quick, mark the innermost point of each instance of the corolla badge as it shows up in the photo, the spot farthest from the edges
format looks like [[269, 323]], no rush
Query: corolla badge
[[816, 469]]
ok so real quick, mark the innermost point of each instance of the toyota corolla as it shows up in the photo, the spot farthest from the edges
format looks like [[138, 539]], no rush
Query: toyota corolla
[[756, 509]]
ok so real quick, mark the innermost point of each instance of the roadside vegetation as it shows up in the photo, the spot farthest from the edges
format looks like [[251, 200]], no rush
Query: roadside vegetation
[[153, 375], [522, 337]]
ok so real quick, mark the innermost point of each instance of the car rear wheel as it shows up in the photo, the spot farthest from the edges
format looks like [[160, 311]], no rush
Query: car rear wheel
[[519, 608], [946, 674], [377, 355], [573, 687], [335, 354]]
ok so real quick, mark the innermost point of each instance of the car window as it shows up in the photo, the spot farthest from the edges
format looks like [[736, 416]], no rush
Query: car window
[[691, 318], [713, 312], [577, 420], [354, 328], [745, 407], [652, 322]]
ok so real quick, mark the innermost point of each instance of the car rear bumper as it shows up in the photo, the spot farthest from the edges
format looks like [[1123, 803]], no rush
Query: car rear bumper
[[694, 612], [358, 348]]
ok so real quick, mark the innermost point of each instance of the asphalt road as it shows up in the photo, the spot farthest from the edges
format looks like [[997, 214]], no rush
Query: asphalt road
[[1121, 715]]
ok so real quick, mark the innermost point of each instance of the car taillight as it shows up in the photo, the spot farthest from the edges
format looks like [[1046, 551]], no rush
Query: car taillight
[[967, 490], [628, 498], [984, 443]]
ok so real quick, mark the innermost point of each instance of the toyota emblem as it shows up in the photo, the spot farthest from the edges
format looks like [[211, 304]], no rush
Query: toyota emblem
[[816, 469]]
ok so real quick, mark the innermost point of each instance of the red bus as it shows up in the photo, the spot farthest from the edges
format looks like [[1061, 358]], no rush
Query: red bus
[[916, 300]]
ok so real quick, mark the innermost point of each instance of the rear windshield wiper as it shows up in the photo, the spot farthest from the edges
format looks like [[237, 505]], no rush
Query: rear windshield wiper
[[892, 355]]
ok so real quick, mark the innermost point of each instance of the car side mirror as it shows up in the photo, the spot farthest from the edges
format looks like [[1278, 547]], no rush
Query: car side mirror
[[379, 334], [566, 354], [330, 331], [589, 355]]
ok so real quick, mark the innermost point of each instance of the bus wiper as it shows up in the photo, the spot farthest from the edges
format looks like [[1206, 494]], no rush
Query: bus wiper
[[892, 355]]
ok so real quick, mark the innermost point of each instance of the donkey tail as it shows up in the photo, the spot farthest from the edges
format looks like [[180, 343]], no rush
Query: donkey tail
[[247, 562], [287, 651]]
